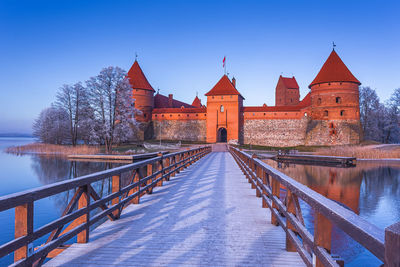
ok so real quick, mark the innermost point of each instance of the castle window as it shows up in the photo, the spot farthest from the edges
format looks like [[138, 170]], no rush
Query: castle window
[[326, 113], [187, 115], [222, 108], [342, 113], [170, 115], [212, 97], [162, 115], [205, 115], [222, 97], [156, 115], [254, 114], [265, 114], [338, 100], [197, 115], [291, 100], [145, 115], [179, 115], [319, 101]]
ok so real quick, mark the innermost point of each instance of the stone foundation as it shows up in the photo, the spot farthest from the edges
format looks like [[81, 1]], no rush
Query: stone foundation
[[276, 133], [333, 132], [180, 130]]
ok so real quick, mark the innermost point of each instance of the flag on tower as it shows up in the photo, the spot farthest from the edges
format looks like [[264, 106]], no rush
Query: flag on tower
[[223, 63]]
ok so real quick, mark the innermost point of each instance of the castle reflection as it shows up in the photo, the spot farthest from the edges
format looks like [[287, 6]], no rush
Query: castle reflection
[[371, 190]]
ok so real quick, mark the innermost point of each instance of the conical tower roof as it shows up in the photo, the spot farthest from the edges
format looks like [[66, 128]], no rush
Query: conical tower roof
[[223, 87], [196, 102], [334, 70], [137, 78]]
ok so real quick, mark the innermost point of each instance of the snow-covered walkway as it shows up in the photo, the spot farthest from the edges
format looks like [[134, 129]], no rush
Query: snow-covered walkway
[[207, 215]]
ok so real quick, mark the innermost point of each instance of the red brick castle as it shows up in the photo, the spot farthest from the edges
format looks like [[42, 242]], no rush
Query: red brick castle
[[328, 115]]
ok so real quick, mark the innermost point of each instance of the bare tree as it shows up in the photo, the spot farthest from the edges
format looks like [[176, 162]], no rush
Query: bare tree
[[73, 99], [52, 126], [111, 99]]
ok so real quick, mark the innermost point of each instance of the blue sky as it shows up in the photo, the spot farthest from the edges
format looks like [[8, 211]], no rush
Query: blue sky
[[181, 44]]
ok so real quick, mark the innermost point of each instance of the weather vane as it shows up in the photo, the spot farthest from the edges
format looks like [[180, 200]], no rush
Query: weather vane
[[333, 44], [136, 56]]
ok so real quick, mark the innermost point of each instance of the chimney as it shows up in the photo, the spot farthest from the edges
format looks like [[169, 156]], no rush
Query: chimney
[[170, 100], [234, 82]]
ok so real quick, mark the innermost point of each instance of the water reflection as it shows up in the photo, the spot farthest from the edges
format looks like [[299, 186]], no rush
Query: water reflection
[[371, 189]]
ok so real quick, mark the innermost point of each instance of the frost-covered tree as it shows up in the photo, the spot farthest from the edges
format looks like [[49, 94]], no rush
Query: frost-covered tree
[[392, 129], [110, 95], [73, 99], [370, 109], [52, 126]]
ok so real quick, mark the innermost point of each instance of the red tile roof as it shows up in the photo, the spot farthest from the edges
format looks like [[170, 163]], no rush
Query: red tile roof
[[223, 87], [303, 104], [179, 110], [197, 102], [137, 78], [162, 101], [334, 70], [289, 83]]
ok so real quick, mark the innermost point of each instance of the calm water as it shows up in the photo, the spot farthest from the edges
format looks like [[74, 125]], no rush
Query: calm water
[[29, 171], [371, 189]]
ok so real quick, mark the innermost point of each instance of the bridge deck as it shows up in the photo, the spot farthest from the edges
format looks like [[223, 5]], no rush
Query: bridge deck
[[205, 216]]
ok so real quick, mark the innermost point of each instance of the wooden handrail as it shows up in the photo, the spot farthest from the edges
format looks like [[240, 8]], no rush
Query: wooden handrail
[[267, 182], [76, 218]]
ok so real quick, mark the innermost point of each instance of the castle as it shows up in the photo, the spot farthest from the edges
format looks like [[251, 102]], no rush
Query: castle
[[328, 115]]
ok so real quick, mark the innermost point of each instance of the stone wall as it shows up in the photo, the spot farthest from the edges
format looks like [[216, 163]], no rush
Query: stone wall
[[286, 133], [185, 130], [333, 132], [276, 133]]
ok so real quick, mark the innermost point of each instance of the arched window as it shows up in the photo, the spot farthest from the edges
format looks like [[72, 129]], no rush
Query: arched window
[[319, 101], [342, 113], [222, 108], [325, 113], [338, 100]]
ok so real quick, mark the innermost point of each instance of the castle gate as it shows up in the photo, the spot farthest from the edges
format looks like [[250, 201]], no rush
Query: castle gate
[[222, 135]]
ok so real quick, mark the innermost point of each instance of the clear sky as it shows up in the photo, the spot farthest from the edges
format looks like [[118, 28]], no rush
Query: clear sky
[[181, 44]]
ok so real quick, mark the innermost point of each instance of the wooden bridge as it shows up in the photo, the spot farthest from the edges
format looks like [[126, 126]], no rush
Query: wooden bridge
[[190, 208]]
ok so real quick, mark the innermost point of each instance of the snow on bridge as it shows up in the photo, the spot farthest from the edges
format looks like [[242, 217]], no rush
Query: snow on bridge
[[207, 215]]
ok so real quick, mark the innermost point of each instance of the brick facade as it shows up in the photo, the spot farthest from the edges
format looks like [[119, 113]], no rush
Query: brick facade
[[328, 115]]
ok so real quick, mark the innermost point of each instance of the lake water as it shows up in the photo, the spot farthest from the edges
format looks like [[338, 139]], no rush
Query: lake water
[[372, 190], [29, 171]]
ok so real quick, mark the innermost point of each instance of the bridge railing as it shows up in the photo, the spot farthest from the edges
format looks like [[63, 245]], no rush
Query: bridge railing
[[286, 212], [77, 217]]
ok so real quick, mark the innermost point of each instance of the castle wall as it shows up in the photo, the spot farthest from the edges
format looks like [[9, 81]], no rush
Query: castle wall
[[276, 132], [180, 130], [333, 132]]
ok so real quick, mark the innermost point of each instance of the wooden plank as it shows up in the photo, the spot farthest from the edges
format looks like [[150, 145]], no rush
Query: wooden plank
[[23, 227]]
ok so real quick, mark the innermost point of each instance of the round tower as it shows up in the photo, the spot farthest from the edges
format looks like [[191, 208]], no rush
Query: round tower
[[143, 93], [334, 92]]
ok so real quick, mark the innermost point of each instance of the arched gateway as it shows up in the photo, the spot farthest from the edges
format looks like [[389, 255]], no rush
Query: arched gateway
[[222, 135]]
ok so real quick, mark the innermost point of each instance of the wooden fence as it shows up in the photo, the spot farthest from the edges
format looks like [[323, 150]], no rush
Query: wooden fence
[[76, 219], [286, 212]]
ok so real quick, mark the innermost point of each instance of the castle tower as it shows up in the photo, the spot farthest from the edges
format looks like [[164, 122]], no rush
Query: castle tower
[[335, 102], [287, 92], [334, 92], [142, 92], [224, 112]]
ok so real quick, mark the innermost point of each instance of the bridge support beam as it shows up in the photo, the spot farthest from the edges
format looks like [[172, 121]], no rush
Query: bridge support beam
[[392, 245]]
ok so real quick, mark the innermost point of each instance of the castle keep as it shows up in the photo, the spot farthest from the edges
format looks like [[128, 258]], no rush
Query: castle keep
[[328, 115]]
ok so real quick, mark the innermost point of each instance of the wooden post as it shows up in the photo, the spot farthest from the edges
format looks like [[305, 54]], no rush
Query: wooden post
[[392, 245], [23, 227], [136, 179], [160, 168], [276, 191], [264, 179], [149, 172], [254, 170], [182, 157], [168, 163], [322, 234], [84, 200], [115, 187], [291, 209]]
